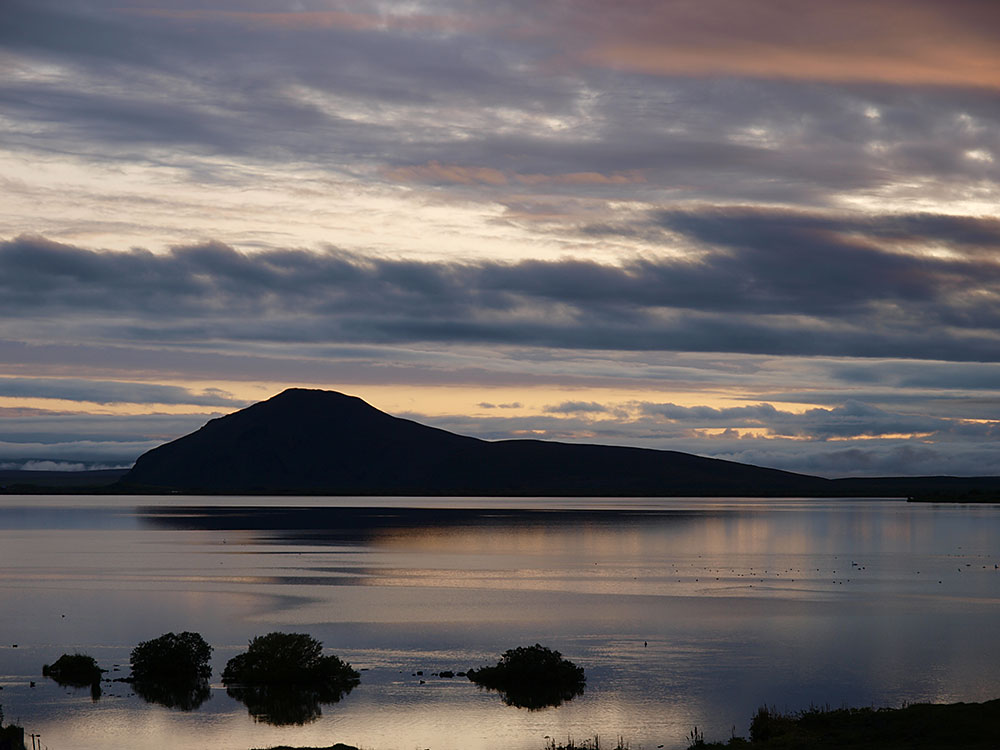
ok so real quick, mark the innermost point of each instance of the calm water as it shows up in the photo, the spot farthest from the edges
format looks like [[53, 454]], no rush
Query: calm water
[[683, 612]]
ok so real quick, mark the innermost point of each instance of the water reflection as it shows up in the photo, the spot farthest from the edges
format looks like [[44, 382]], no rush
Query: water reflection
[[285, 705], [684, 611], [184, 696], [533, 528], [95, 687], [537, 697]]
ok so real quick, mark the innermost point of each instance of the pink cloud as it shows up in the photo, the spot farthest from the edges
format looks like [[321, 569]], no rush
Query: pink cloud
[[628, 177], [437, 173], [892, 41]]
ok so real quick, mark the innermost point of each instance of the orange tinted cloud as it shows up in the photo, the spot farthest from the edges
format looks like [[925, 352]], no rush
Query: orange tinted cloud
[[628, 177], [892, 41], [435, 172]]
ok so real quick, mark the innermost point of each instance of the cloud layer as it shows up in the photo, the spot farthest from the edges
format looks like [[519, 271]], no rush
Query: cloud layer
[[759, 283], [732, 227]]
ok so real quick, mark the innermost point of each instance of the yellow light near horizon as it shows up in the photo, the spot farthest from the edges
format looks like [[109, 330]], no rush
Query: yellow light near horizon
[[472, 401], [515, 401]]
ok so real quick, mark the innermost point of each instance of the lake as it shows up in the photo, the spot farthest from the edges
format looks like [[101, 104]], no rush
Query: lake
[[684, 612]]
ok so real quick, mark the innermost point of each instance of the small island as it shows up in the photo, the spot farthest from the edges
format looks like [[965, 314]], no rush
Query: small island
[[532, 677], [283, 678]]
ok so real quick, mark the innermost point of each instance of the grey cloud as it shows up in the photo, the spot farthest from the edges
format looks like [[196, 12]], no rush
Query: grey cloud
[[794, 290], [948, 452], [757, 413], [969, 404], [69, 33], [113, 453], [112, 392], [820, 264], [850, 419], [930, 375], [198, 84], [48, 465], [872, 458], [576, 407], [328, 366], [459, 94], [53, 428]]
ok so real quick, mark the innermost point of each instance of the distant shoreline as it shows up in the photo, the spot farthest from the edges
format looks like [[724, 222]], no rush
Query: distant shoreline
[[951, 490]]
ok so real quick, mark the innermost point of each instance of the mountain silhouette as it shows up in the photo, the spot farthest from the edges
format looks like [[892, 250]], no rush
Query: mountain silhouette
[[323, 442]]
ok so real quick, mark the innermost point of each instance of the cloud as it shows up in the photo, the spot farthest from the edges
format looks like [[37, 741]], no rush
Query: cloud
[[815, 42], [818, 441], [75, 451], [478, 99], [576, 407], [51, 428], [112, 392], [851, 419], [59, 466], [665, 196], [435, 173], [98, 440], [767, 282]]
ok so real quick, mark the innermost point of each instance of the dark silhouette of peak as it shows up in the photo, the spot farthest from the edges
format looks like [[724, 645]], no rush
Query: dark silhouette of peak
[[324, 442]]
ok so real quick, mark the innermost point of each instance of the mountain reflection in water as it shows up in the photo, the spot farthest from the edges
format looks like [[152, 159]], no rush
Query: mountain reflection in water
[[684, 612]]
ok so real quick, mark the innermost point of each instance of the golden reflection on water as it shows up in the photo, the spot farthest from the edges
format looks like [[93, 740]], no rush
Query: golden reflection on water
[[690, 613]]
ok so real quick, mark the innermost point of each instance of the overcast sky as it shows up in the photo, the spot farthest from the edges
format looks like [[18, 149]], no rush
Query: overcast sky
[[760, 230]]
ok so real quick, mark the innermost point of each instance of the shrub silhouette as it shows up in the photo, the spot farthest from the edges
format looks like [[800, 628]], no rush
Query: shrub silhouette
[[172, 659], [172, 670], [76, 670], [532, 677], [286, 659], [284, 677]]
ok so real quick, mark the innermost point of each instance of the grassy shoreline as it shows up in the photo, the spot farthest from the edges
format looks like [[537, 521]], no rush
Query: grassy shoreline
[[937, 726], [919, 726]]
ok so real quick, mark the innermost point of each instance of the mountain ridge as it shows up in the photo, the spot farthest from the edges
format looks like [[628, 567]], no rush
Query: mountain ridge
[[325, 442], [316, 442]]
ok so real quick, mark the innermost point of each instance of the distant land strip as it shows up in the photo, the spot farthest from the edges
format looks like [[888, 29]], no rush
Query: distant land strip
[[313, 442]]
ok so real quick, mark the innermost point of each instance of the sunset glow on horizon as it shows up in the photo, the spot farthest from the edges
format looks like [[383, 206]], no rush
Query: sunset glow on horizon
[[761, 231]]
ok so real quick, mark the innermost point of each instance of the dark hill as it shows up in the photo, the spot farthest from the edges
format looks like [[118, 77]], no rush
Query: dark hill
[[323, 442]]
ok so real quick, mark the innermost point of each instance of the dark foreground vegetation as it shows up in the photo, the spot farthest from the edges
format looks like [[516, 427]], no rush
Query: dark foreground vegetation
[[76, 670], [283, 678], [172, 658], [922, 725], [173, 670], [11, 736], [532, 677]]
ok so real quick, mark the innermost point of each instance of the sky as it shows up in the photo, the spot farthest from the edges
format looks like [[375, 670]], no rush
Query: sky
[[760, 230]]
